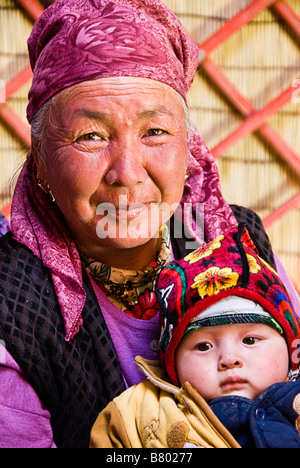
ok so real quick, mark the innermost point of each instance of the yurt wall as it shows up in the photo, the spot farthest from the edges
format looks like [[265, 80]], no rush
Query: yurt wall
[[15, 27], [261, 60], [245, 101]]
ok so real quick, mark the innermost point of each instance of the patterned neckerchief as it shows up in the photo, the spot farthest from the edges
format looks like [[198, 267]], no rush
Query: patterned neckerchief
[[132, 290]]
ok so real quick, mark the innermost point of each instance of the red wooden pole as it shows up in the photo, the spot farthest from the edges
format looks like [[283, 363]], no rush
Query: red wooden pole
[[13, 121], [231, 92], [32, 8], [282, 211], [289, 15], [234, 25], [10, 118], [254, 122], [6, 210], [18, 81], [287, 154], [246, 108]]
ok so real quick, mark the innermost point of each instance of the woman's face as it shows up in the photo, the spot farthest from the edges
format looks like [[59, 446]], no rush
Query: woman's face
[[115, 157]]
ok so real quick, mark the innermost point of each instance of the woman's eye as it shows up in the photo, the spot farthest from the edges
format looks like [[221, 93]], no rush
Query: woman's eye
[[250, 340], [204, 347], [155, 132], [90, 137]]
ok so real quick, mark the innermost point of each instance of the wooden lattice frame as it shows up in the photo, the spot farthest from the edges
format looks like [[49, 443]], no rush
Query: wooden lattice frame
[[254, 120], [13, 122]]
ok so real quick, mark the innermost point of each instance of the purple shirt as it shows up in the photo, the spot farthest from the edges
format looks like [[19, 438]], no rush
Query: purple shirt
[[25, 423], [131, 337]]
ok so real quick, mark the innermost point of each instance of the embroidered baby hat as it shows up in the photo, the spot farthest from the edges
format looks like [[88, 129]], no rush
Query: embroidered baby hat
[[225, 268]]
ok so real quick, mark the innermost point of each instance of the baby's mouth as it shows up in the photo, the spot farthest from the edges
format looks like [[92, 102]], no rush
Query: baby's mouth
[[233, 383]]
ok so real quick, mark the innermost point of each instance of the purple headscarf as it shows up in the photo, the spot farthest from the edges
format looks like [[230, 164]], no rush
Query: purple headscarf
[[79, 40]]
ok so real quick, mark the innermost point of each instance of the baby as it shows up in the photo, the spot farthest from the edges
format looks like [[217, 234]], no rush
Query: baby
[[221, 360], [229, 349]]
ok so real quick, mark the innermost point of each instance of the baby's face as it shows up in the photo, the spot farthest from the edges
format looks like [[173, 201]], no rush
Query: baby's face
[[240, 359]]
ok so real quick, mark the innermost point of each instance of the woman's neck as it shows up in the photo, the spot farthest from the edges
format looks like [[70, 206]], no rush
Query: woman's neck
[[136, 258]]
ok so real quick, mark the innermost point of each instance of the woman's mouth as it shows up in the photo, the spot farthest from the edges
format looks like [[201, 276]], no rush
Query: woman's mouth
[[130, 212], [122, 211]]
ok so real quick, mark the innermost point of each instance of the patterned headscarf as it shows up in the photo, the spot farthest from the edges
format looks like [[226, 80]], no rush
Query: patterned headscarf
[[78, 40]]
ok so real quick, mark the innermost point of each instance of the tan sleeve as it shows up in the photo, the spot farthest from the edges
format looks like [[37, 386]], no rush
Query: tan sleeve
[[109, 430]]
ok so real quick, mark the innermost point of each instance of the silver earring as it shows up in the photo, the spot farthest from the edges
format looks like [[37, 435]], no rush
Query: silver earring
[[46, 188]]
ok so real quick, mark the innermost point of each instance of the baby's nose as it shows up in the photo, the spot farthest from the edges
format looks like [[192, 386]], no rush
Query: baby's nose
[[229, 361]]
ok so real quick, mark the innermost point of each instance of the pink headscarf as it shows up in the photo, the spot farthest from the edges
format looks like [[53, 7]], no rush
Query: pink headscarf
[[79, 40]]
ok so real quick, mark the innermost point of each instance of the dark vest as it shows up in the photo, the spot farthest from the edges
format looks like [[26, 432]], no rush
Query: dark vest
[[75, 380]]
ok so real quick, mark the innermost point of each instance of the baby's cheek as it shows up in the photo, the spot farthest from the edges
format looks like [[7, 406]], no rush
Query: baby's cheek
[[274, 371]]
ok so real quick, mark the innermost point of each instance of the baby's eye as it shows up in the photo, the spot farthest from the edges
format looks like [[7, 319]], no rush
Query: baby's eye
[[204, 347], [250, 340]]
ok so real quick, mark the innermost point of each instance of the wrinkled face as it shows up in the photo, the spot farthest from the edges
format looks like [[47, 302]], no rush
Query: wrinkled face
[[241, 359], [114, 155]]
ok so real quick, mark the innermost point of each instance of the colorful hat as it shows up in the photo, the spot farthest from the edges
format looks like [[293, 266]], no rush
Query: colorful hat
[[226, 267]]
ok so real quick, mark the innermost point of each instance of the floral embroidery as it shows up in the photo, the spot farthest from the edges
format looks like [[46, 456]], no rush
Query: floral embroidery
[[214, 280], [253, 265], [269, 266], [204, 251], [146, 308], [150, 430]]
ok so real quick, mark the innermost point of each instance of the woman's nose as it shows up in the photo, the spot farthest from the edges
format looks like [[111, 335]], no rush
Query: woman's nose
[[126, 167], [229, 361]]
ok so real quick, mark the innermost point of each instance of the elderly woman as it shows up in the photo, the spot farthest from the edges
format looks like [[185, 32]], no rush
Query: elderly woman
[[114, 156]]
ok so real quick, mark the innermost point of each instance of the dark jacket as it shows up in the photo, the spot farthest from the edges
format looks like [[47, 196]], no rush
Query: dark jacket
[[271, 421]]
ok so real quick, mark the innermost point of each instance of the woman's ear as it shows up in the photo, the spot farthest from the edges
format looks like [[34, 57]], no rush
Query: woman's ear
[[40, 171]]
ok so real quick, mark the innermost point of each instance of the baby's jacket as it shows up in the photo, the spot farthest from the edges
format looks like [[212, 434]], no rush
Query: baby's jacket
[[271, 421], [157, 414]]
